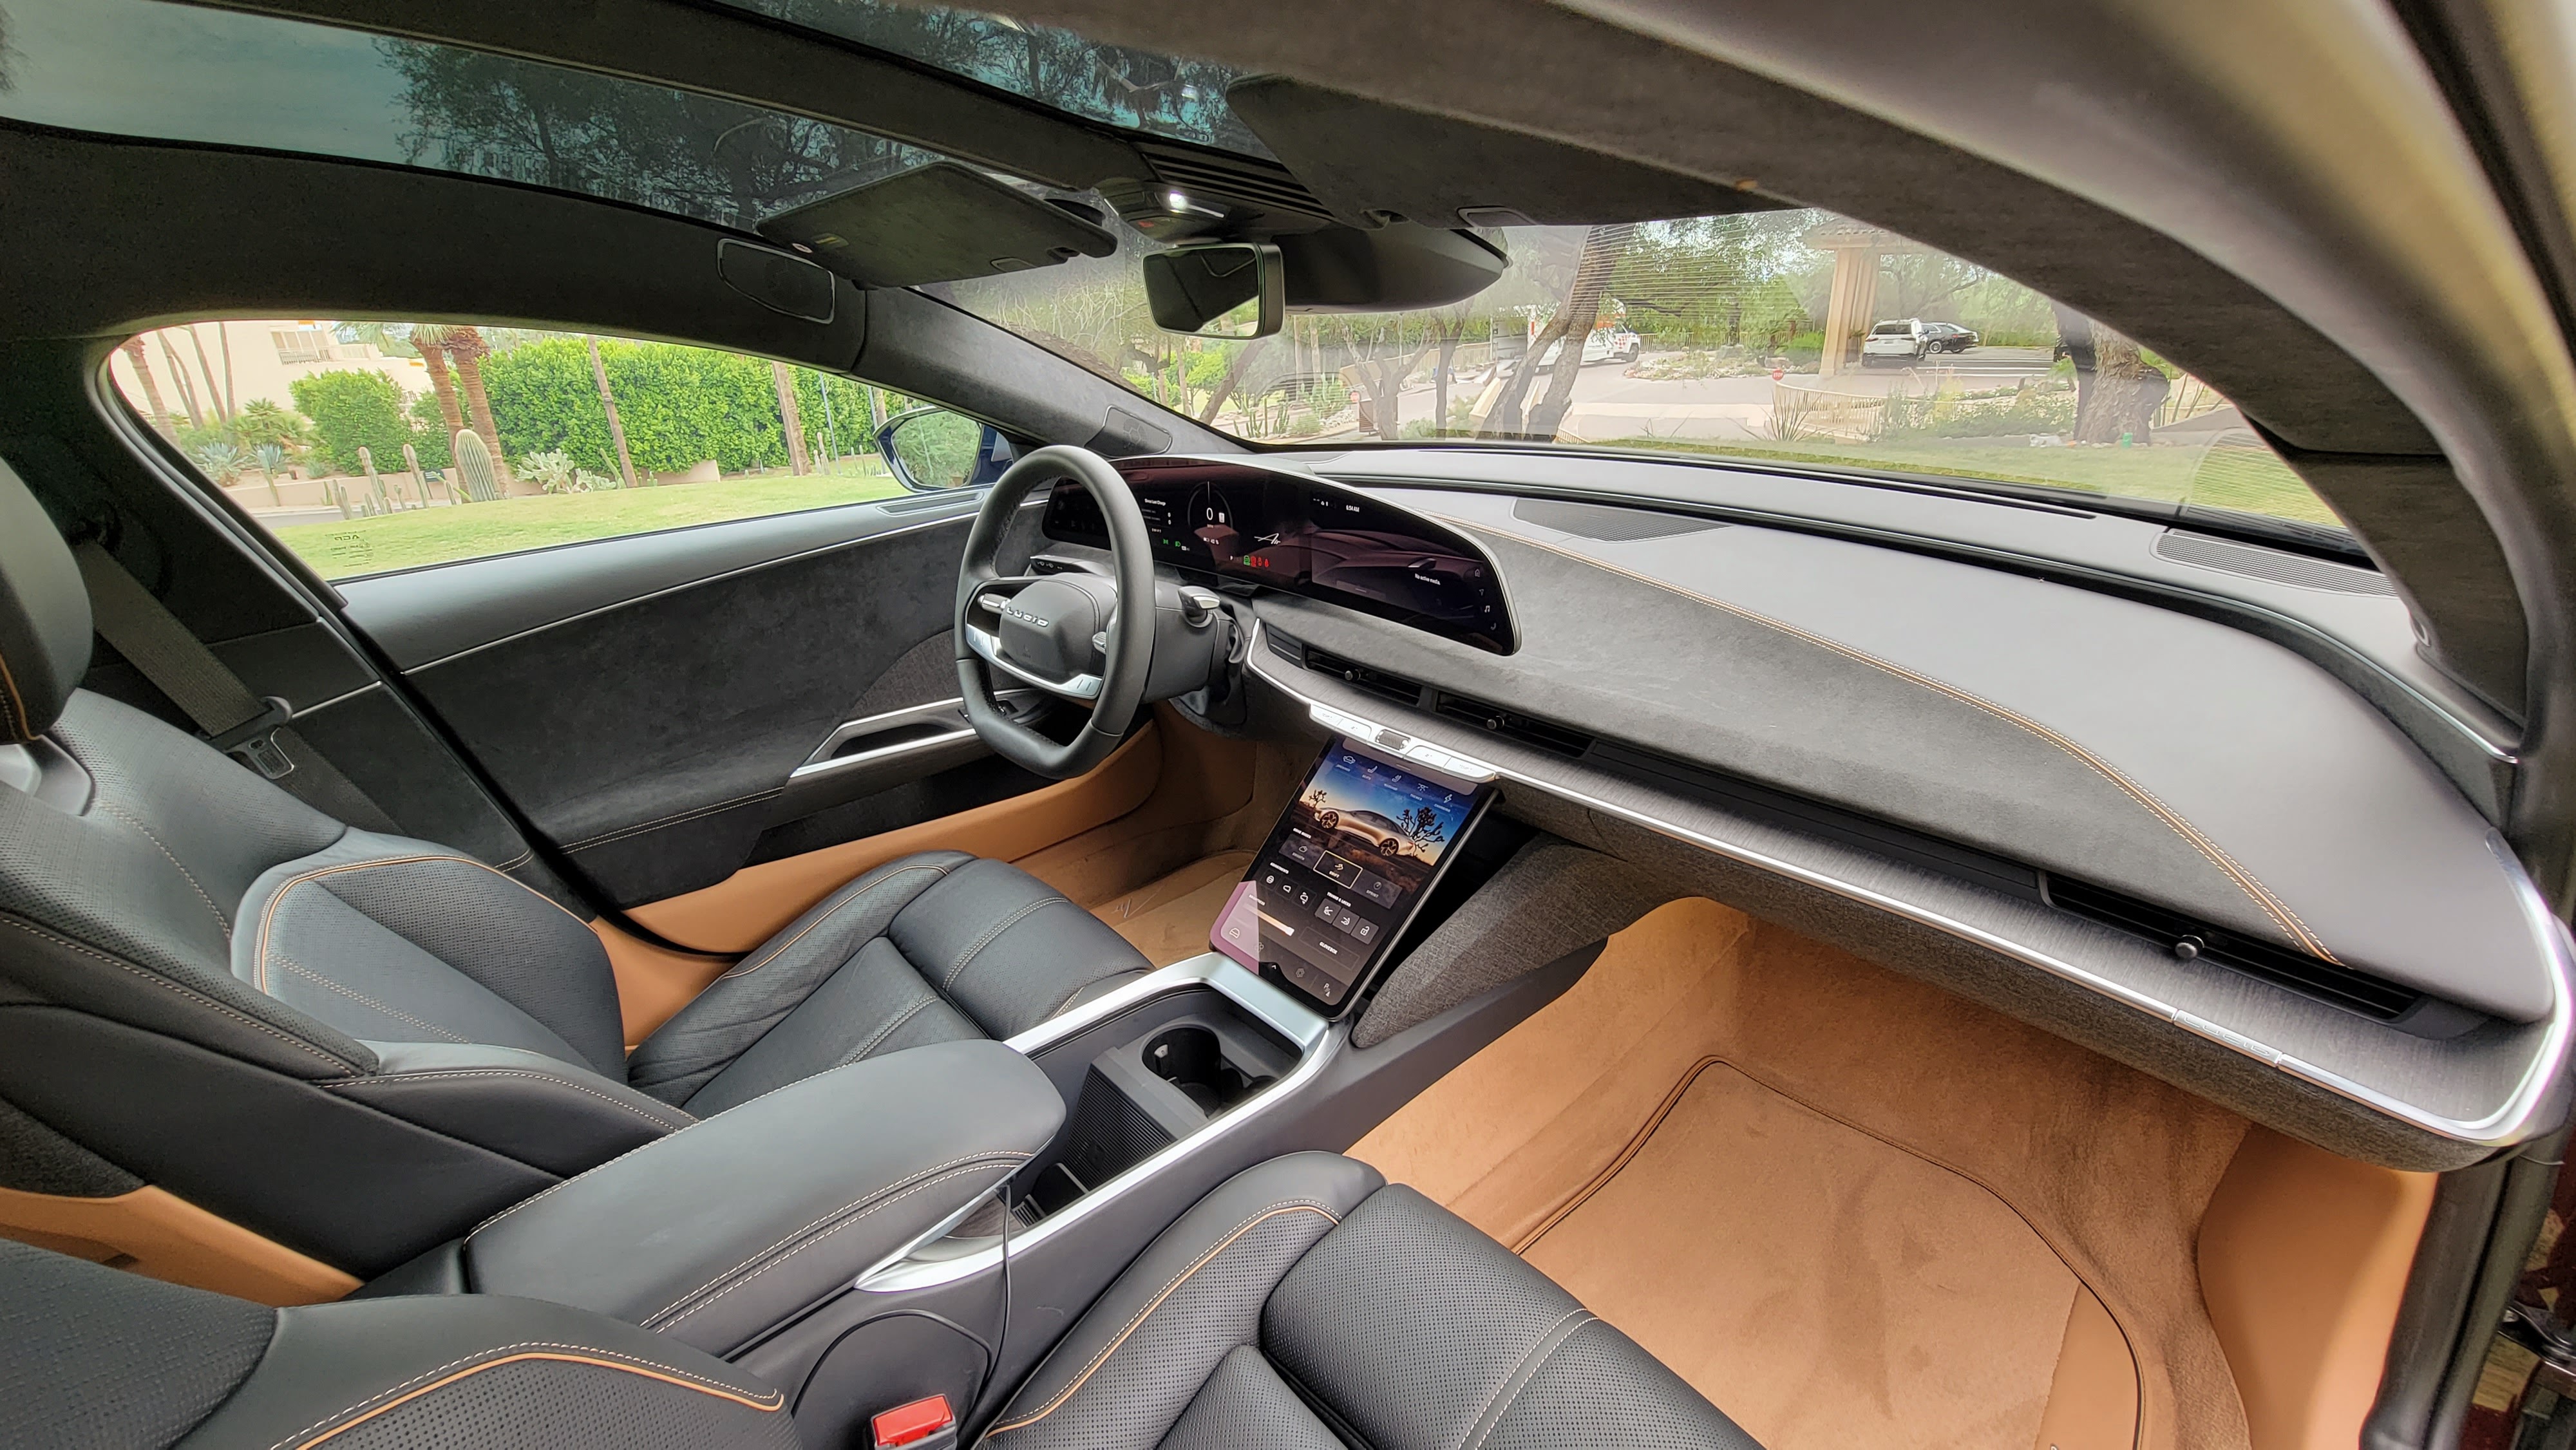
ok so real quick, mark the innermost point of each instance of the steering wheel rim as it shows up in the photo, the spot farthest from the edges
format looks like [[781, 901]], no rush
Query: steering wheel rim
[[1129, 654]]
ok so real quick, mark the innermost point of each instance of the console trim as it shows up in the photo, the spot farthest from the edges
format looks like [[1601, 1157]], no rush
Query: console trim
[[1317, 1042]]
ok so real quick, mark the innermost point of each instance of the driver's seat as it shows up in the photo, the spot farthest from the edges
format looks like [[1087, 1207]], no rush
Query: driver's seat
[[359, 1044]]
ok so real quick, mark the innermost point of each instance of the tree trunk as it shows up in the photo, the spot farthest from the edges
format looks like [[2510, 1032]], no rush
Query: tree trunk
[[133, 349], [1449, 335], [179, 379], [1572, 324], [214, 399], [2116, 392], [232, 400], [1233, 375], [442, 384], [791, 418], [466, 349], [608, 401]]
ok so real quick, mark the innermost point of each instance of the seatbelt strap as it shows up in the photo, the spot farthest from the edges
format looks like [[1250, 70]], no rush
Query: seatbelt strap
[[255, 731]]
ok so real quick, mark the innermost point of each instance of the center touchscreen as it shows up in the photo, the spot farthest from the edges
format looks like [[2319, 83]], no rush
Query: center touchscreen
[[1344, 871]]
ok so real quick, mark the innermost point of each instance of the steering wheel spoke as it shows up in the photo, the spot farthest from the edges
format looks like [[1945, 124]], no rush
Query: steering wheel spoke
[[988, 645]]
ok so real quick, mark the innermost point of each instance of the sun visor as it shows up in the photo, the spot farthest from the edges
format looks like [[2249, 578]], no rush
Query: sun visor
[[1367, 160], [938, 223]]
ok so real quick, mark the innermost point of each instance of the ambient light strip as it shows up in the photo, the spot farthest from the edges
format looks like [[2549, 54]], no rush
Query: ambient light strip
[[2513, 1121]]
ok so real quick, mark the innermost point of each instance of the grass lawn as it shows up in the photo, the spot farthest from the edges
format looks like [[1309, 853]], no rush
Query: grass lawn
[[340, 550], [2251, 479]]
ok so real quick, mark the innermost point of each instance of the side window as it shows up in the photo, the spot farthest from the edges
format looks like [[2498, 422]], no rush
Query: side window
[[372, 446]]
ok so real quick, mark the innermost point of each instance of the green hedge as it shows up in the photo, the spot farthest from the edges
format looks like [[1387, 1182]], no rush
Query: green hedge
[[679, 405], [353, 410]]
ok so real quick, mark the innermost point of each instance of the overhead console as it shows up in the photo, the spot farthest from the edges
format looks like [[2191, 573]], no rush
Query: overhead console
[[1253, 524]]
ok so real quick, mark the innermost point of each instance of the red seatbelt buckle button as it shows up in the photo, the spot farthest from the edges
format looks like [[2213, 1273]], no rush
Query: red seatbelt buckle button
[[922, 1425]]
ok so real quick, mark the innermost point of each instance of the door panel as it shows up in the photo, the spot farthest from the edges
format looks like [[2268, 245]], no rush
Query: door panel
[[744, 910], [647, 721]]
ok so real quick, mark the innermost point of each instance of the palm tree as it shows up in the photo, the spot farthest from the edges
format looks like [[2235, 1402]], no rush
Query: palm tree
[[133, 350], [430, 342], [223, 408], [179, 376], [467, 349], [608, 401]]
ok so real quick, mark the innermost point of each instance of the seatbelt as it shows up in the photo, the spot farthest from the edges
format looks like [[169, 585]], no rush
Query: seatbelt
[[257, 732]]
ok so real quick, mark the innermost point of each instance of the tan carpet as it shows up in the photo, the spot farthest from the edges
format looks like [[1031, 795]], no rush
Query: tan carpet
[[1847, 1242], [1820, 1285], [1169, 920]]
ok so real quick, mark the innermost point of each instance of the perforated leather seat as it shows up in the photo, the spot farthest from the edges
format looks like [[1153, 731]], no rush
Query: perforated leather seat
[[1303, 1305], [359, 1044]]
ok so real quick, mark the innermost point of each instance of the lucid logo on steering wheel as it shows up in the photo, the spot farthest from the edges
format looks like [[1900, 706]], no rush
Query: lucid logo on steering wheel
[[1024, 617]]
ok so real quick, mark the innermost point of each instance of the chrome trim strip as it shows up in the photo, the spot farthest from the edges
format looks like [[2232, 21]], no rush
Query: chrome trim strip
[[1316, 1039], [1080, 687], [2514, 1121], [1273, 1007], [949, 712]]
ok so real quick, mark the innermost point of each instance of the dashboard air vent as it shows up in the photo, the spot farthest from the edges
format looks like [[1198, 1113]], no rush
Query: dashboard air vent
[[1512, 725], [2297, 971], [1384, 684], [2277, 565]]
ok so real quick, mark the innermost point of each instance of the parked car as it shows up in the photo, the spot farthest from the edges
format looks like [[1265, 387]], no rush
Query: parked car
[[1948, 337], [1605, 344], [1902, 339]]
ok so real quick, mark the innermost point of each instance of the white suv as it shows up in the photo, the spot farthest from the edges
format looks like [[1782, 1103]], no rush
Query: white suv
[[1901, 340]]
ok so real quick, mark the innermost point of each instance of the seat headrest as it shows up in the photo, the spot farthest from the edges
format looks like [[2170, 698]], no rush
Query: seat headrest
[[44, 616]]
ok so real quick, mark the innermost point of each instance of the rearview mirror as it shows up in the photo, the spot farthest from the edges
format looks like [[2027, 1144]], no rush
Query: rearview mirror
[[1229, 290], [929, 449]]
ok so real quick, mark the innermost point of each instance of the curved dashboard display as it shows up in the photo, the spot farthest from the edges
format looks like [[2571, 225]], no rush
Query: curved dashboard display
[[1303, 536]]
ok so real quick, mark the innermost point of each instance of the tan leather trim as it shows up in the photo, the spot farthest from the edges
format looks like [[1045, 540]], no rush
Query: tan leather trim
[[756, 902], [770, 1403], [2093, 1400], [17, 707], [653, 982], [162, 1236], [2303, 1259]]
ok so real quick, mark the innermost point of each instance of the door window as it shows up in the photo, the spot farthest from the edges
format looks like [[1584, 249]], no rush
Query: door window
[[366, 447]]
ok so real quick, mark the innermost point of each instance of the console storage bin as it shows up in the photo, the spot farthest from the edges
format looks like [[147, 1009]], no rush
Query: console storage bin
[[734, 1225]]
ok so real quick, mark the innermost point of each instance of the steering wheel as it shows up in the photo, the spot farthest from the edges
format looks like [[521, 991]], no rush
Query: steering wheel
[[1062, 633]]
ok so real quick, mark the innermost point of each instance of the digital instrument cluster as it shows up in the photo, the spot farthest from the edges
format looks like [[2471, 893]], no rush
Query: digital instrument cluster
[[1305, 537]]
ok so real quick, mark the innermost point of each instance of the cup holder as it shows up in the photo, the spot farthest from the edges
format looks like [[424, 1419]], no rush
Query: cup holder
[[1192, 1059]]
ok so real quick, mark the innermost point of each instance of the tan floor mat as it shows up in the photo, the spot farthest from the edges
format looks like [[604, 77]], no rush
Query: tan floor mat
[[1169, 920], [1824, 1288], [1923, 1120]]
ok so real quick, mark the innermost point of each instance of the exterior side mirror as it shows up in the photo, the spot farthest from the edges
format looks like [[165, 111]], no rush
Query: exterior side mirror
[[1231, 290], [932, 449]]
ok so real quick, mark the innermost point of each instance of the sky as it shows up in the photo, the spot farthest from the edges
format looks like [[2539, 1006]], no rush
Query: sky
[[179, 73]]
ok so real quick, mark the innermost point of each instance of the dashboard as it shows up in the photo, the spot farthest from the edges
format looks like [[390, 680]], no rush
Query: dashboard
[[1304, 537]]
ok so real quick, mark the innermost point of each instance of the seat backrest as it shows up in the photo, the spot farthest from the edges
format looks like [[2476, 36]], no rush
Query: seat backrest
[[208, 985], [95, 1359]]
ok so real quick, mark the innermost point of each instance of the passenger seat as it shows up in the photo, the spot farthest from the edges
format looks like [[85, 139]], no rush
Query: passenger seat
[[1303, 1305]]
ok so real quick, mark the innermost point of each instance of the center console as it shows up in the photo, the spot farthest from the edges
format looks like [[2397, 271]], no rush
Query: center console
[[930, 1222]]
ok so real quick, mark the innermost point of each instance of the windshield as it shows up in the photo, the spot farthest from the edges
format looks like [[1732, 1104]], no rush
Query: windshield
[[1706, 335], [1797, 337]]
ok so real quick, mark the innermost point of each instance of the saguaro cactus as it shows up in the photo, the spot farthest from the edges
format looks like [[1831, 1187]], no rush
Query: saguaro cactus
[[474, 467], [419, 483]]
